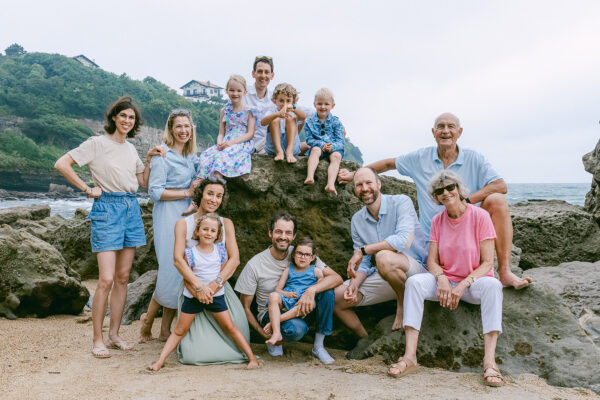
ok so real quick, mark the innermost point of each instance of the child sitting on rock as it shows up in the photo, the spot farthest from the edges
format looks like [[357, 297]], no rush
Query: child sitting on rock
[[299, 276], [283, 120], [325, 136]]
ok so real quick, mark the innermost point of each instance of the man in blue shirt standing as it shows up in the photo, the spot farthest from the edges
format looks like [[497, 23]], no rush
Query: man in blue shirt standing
[[484, 183], [388, 228]]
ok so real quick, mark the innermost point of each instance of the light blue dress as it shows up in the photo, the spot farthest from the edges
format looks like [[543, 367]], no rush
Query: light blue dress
[[298, 282], [170, 172]]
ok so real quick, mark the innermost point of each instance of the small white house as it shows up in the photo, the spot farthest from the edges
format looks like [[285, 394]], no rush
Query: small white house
[[201, 91], [86, 61]]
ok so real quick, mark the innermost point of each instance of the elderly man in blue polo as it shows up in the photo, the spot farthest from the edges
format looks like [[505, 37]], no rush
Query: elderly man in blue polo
[[389, 247], [486, 186]]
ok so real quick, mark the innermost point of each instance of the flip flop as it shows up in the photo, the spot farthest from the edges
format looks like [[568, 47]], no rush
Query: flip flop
[[411, 368], [495, 373], [119, 345], [100, 352]]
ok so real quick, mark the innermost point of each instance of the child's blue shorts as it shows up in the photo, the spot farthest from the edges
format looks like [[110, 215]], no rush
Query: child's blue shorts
[[116, 222], [193, 306]]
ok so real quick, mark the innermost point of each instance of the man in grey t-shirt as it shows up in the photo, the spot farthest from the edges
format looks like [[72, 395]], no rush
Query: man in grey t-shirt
[[260, 277]]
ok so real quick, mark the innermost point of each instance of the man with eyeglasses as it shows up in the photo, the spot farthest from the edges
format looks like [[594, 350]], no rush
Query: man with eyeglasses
[[260, 277], [259, 97], [484, 183], [389, 246]]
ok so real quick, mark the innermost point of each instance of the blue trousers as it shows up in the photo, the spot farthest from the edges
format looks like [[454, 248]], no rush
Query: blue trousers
[[294, 329]]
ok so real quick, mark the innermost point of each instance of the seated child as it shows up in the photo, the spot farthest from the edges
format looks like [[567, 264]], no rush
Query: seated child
[[299, 276], [231, 156], [283, 120], [205, 260], [325, 136]]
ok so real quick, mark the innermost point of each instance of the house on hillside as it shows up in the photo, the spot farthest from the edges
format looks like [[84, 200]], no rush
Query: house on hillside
[[85, 61], [201, 91]]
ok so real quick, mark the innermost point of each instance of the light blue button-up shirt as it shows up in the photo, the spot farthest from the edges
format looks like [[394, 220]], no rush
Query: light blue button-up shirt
[[171, 172], [421, 165], [333, 132], [397, 220]]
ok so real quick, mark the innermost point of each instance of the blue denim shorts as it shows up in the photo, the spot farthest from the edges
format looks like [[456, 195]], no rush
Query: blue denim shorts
[[116, 222]]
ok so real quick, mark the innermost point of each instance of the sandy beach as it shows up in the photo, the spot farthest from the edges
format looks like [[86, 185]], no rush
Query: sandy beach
[[50, 359]]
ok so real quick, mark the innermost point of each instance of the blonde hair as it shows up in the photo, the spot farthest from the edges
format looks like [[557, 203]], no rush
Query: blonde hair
[[287, 89], [325, 93], [204, 217], [190, 146], [236, 78]]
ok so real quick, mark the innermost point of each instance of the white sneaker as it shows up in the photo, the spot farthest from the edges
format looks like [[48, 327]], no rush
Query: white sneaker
[[275, 351], [322, 355]]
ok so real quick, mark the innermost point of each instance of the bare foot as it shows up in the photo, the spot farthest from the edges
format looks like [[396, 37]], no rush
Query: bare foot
[[398, 321], [279, 157], [116, 342], [289, 157], [511, 279], [192, 208], [331, 189], [145, 330], [253, 363], [274, 339], [155, 366], [309, 181]]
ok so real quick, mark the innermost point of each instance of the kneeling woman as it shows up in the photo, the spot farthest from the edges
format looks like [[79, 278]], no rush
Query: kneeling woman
[[460, 262]]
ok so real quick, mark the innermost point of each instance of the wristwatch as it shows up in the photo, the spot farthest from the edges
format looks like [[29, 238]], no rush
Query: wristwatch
[[219, 281], [363, 251]]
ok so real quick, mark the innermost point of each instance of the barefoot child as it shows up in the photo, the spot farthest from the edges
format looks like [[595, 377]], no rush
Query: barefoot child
[[325, 136], [283, 120], [300, 275], [230, 157], [205, 261]]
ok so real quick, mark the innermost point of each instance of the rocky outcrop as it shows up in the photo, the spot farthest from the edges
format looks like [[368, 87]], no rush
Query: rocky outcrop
[[254, 198], [13, 214], [139, 294], [591, 163], [578, 283], [35, 280], [71, 237], [541, 336], [552, 232]]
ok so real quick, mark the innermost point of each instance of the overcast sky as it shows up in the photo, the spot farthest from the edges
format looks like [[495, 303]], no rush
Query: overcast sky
[[523, 76]]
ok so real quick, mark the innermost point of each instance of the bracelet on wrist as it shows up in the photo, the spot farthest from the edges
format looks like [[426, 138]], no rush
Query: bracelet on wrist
[[468, 200]]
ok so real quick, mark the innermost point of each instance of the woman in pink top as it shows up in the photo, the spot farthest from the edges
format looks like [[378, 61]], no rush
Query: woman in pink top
[[460, 264]]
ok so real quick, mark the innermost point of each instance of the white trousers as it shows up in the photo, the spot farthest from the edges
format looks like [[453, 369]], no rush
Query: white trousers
[[486, 291]]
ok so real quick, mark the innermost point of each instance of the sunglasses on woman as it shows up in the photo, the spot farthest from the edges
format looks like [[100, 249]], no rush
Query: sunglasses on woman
[[449, 188]]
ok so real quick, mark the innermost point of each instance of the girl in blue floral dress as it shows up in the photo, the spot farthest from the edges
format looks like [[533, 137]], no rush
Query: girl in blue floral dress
[[230, 157]]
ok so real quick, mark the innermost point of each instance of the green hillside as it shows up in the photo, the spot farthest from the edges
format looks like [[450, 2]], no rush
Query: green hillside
[[42, 94]]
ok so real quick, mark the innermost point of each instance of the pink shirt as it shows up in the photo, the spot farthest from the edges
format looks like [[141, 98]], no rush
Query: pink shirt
[[458, 241]]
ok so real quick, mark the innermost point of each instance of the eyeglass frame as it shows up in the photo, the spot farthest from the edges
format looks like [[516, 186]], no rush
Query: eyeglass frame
[[449, 188]]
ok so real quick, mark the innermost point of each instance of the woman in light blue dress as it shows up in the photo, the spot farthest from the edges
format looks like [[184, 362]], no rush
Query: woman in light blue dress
[[171, 186]]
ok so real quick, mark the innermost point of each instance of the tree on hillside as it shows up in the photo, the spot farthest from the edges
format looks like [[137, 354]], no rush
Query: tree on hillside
[[15, 50]]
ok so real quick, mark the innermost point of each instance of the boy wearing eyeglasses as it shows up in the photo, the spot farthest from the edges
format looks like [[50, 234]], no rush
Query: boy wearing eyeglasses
[[325, 136]]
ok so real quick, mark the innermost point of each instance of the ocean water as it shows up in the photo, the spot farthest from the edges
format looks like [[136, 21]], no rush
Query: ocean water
[[573, 193]]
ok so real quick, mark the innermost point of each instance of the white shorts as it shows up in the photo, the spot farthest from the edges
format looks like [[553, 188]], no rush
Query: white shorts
[[376, 290]]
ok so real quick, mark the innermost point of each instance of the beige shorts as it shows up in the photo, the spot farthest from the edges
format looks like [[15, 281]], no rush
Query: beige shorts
[[376, 290]]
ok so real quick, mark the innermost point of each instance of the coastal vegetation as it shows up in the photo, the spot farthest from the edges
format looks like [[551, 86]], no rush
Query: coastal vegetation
[[42, 97]]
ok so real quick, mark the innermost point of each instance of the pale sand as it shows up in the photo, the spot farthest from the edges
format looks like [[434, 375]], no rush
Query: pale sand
[[50, 359]]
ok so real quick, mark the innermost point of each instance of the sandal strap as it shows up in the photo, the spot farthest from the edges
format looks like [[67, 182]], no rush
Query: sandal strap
[[494, 374]]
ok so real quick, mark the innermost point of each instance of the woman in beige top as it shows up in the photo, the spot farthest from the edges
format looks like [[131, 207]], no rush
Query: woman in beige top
[[116, 223]]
